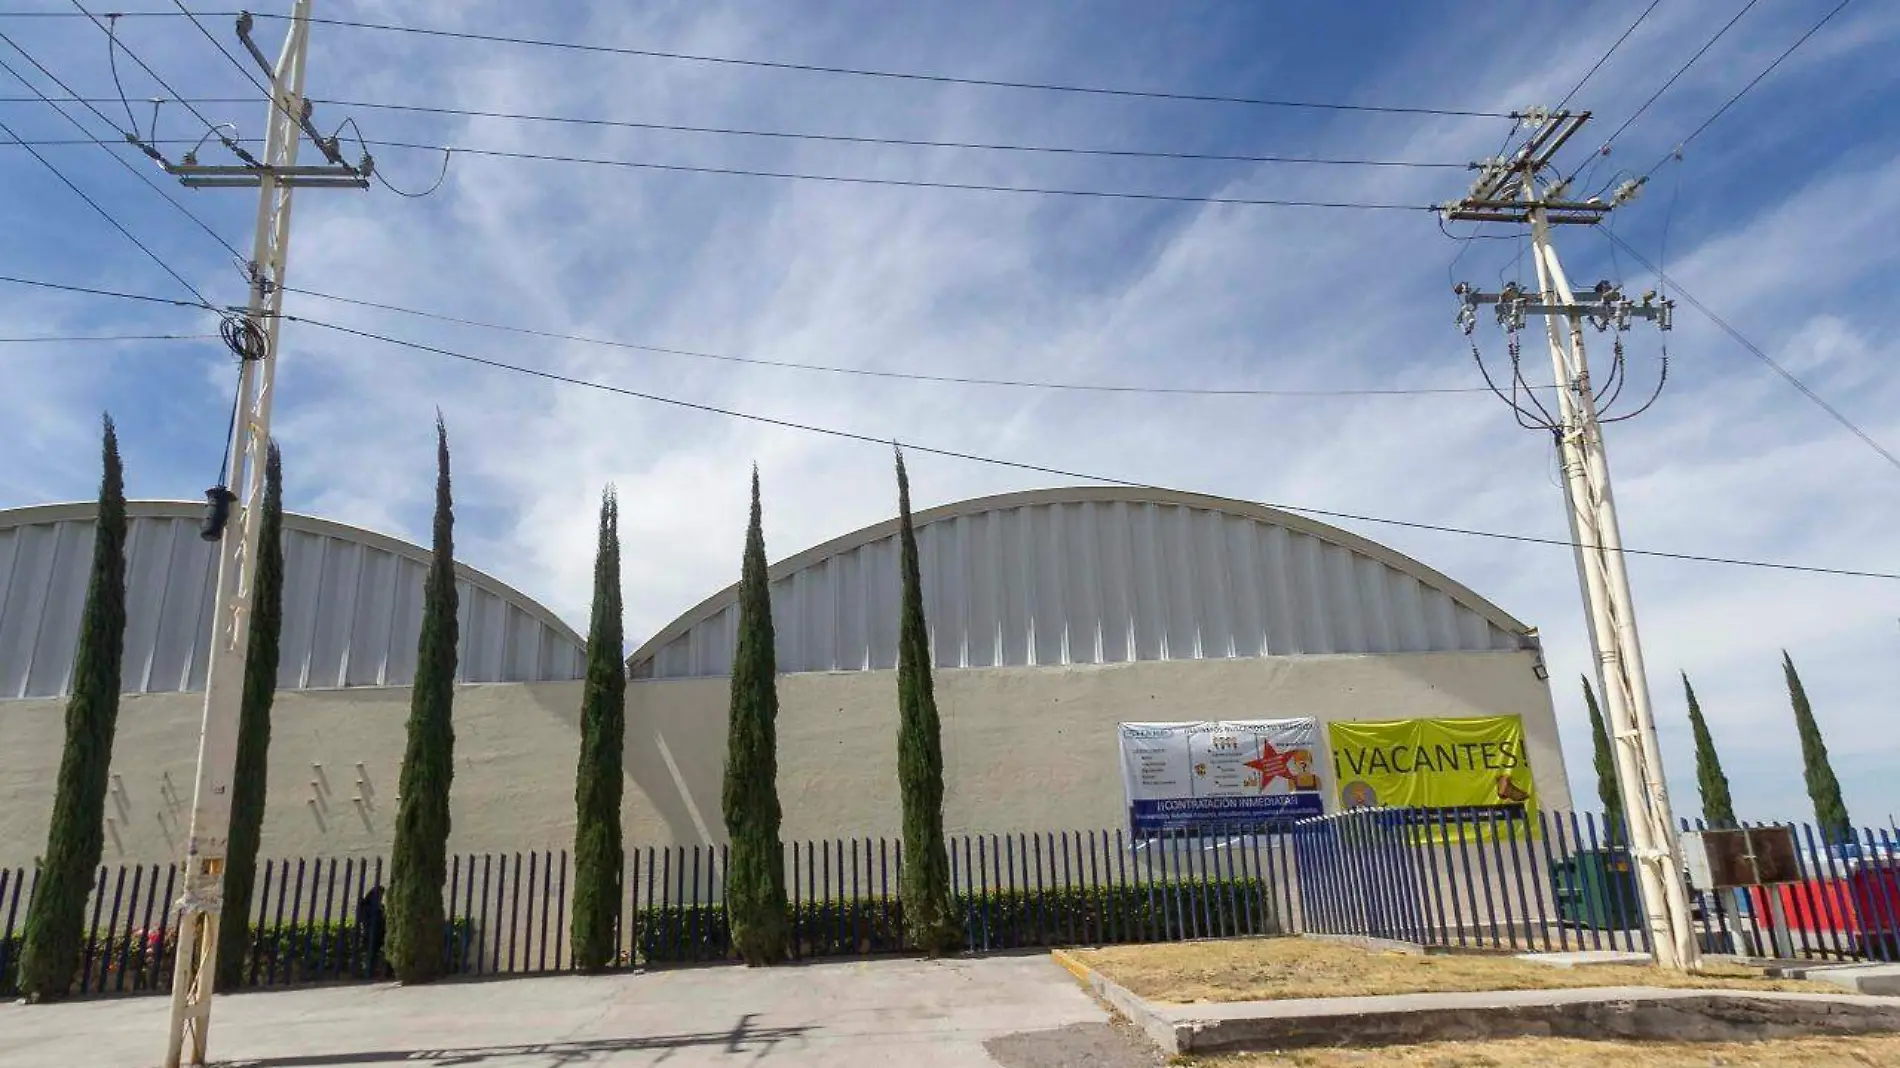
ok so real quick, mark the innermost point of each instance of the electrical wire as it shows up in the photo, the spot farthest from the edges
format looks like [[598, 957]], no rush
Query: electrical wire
[[791, 365], [69, 339], [1605, 57], [1676, 153], [911, 76], [93, 291], [103, 213], [885, 442], [908, 183], [441, 176], [910, 142], [112, 61], [813, 68], [1755, 350], [866, 372], [110, 149], [1680, 71], [229, 143], [249, 75], [882, 442]]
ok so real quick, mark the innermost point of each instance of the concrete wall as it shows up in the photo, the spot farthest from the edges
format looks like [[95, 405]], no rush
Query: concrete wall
[[1024, 748]]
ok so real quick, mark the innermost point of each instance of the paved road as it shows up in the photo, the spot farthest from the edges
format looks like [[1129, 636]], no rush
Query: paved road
[[881, 1013]]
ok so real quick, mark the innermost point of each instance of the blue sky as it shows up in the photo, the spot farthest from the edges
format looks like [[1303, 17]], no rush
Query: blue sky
[[1779, 216]]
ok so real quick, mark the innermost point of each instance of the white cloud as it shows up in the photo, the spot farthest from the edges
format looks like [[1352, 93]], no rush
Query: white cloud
[[1731, 462]]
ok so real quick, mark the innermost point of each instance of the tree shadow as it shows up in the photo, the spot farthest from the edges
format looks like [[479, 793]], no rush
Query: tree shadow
[[741, 1038]]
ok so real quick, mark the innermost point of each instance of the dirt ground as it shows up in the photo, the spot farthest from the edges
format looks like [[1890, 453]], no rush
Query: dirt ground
[[1870, 1052], [1268, 969]]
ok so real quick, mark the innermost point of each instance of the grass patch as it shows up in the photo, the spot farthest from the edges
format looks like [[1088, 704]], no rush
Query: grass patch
[[1858, 1052], [1271, 969]]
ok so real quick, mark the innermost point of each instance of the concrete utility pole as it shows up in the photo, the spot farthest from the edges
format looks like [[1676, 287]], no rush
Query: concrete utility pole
[[1507, 191], [253, 335]]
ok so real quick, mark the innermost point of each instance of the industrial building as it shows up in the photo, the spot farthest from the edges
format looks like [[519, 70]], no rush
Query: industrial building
[[1055, 616]]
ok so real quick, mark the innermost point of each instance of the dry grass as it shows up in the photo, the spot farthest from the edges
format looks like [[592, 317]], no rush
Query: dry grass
[[1864, 1052], [1269, 969]]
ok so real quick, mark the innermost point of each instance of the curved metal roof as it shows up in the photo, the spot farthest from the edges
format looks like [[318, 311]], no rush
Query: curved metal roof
[[352, 606], [1096, 575]]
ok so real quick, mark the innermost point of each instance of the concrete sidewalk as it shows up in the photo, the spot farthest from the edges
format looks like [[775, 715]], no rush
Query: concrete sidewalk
[[879, 1012]]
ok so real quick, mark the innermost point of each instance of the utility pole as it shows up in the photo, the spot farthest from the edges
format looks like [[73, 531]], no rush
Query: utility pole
[[253, 335], [1508, 191]]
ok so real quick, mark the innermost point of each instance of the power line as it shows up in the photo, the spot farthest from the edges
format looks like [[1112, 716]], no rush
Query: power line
[[93, 291], [854, 139], [1605, 57], [861, 72], [785, 364], [898, 375], [1752, 82], [908, 183], [163, 84], [89, 139], [103, 213], [1680, 71], [953, 453], [249, 75], [48, 339], [814, 68], [627, 124], [848, 435], [1756, 350]]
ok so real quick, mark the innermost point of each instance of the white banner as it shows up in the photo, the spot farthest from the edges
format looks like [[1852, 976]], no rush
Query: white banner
[[1219, 775]]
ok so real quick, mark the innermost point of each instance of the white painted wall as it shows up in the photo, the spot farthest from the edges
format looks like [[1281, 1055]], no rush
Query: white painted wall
[[1024, 748]]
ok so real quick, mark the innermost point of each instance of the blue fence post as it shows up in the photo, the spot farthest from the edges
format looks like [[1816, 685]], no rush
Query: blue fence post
[[1883, 888], [1822, 901], [1548, 876]]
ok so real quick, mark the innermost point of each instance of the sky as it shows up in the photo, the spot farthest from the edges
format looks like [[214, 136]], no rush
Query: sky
[[1778, 216]]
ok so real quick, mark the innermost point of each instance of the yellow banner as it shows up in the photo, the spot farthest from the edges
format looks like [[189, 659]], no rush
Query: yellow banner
[[1478, 763]]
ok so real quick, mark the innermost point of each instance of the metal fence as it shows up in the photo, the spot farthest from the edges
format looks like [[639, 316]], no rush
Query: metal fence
[[320, 920], [1475, 879], [1501, 879]]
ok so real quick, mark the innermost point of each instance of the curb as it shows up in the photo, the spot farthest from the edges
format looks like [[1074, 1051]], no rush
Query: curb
[[1170, 1036], [1635, 1013]]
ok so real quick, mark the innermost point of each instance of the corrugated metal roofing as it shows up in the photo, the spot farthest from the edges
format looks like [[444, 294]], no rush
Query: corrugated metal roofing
[[352, 607], [1095, 576]]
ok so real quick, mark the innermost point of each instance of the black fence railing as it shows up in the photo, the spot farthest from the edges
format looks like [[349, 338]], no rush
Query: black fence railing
[[1476, 879], [320, 920], [1502, 879]]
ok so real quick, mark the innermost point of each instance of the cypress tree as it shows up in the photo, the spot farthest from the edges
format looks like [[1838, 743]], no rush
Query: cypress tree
[[598, 857], [755, 877], [55, 921], [1607, 790], [1718, 810], [419, 861], [253, 742], [1830, 812], [930, 921]]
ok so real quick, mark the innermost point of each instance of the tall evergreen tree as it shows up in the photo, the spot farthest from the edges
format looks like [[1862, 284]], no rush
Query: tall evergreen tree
[[55, 921], [755, 877], [253, 743], [598, 857], [1718, 810], [930, 921], [419, 862], [1607, 790], [1830, 811]]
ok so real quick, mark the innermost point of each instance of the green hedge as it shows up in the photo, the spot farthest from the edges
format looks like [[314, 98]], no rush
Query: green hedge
[[998, 920]]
